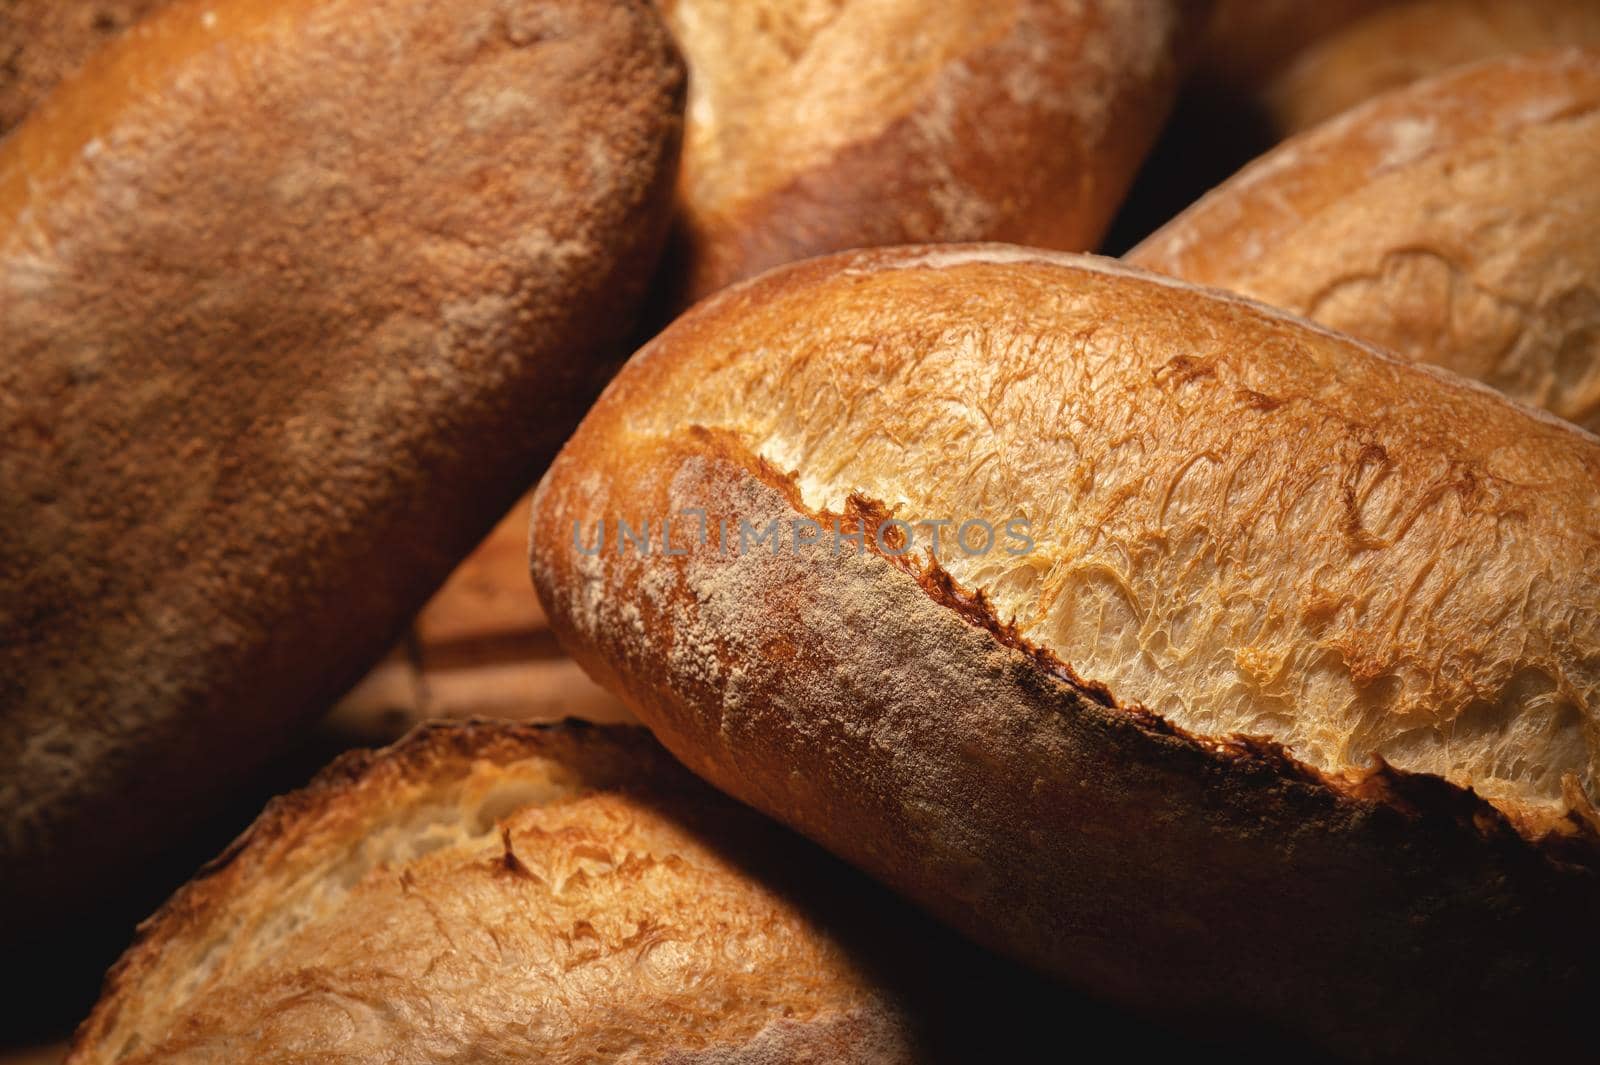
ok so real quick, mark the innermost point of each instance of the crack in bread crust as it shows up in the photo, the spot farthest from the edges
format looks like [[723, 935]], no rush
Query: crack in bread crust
[[880, 708]]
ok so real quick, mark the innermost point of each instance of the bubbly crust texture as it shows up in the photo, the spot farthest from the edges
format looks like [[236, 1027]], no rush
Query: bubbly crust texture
[[1455, 221], [1145, 754], [298, 295], [819, 125], [42, 41], [501, 893], [1399, 45]]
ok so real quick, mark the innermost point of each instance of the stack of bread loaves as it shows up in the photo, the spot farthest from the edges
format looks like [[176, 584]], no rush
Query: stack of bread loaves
[[1190, 666]]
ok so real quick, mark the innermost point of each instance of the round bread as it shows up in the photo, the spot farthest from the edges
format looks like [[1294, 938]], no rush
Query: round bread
[[505, 893], [817, 127], [1286, 711], [298, 295], [1396, 46], [1455, 221]]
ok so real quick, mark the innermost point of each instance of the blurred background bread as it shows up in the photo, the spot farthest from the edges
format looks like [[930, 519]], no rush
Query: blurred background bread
[[274, 364], [1399, 44], [1207, 741], [1455, 221], [1246, 42]]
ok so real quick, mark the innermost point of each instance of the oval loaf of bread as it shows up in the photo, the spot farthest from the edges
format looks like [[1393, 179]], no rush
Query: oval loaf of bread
[[1455, 221], [506, 893], [298, 295], [817, 127], [1200, 729]]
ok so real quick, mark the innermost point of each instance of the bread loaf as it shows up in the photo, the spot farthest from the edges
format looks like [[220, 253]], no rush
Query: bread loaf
[[298, 295], [1455, 221], [1278, 706], [1398, 45], [503, 893], [817, 127], [42, 41]]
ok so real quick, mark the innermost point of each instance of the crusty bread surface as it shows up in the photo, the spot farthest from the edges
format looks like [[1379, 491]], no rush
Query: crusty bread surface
[[1209, 742], [494, 892], [814, 127], [1455, 221], [298, 295], [490, 893]]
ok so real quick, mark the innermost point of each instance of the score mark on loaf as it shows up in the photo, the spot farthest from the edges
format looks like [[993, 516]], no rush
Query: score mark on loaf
[[1144, 755]]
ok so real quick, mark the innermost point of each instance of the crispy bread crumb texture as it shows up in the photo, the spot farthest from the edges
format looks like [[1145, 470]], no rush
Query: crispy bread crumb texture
[[492, 893], [1455, 221], [819, 125], [286, 286]]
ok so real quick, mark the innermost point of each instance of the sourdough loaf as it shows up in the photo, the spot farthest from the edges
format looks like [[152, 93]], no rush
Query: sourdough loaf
[[298, 295], [1455, 221], [1284, 713]]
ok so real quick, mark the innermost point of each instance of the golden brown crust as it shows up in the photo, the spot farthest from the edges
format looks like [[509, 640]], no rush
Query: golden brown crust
[[43, 41], [1455, 221], [1399, 45], [817, 127], [492, 892], [274, 361], [1121, 833], [505, 893]]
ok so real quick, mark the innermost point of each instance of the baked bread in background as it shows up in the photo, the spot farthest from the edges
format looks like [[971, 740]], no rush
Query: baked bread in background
[[817, 127], [299, 295], [1288, 715], [503, 893], [1404, 43], [1246, 42], [42, 41], [1455, 221]]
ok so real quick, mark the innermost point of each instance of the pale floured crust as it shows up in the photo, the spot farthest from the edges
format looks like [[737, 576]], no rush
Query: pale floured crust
[[829, 124], [503, 893], [1398, 45], [298, 295], [1456, 222], [1246, 526], [42, 41]]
